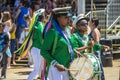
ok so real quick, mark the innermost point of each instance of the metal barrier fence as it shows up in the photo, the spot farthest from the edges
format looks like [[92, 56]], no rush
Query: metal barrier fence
[[113, 11]]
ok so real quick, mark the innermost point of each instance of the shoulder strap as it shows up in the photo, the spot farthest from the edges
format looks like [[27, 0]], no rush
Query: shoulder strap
[[55, 42], [77, 37]]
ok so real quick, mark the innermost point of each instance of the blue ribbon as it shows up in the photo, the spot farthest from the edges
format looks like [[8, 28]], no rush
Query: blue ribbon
[[65, 37]]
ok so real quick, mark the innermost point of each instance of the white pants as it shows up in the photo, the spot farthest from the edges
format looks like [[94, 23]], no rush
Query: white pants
[[38, 63], [54, 74], [30, 59]]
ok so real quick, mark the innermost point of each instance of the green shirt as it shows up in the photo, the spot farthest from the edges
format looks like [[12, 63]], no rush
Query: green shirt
[[37, 35], [77, 42], [61, 53], [97, 47]]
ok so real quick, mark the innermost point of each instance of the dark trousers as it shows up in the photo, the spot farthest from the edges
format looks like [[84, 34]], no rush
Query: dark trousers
[[19, 30], [4, 64]]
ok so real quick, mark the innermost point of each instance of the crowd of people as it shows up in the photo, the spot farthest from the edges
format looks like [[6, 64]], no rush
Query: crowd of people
[[54, 44]]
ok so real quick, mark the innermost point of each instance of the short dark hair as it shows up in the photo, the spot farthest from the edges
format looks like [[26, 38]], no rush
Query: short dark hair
[[25, 3], [95, 21]]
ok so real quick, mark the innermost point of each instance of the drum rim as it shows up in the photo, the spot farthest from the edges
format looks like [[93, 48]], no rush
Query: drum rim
[[92, 74]]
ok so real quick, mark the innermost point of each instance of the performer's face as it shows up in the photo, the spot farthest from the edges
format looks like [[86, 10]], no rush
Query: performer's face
[[63, 21], [82, 25]]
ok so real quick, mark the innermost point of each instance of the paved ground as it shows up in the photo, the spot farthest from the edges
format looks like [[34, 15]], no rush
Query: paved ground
[[21, 72], [18, 73], [113, 73]]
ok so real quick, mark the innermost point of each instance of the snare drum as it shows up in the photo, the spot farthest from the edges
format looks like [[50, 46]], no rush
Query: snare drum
[[84, 68]]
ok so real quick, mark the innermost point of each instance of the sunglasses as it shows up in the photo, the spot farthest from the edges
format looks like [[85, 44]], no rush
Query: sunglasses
[[82, 24]]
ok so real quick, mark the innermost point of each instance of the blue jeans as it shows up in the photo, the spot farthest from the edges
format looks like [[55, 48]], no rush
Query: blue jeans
[[98, 55], [12, 45], [19, 30]]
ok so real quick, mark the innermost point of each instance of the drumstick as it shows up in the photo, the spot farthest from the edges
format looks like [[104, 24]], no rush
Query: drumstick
[[72, 69], [82, 55]]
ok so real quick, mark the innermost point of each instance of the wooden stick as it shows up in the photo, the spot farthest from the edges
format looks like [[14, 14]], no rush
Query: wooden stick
[[72, 69]]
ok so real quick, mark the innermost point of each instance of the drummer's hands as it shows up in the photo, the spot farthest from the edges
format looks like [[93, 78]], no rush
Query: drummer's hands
[[60, 67], [77, 52], [91, 43], [106, 47]]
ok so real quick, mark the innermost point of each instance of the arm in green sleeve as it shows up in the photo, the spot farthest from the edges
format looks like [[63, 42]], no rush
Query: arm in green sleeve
[[47, 46], [97, 47], [74, 42]]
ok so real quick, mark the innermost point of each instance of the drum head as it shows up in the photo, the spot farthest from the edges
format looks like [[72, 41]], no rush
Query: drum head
[[81, 68]]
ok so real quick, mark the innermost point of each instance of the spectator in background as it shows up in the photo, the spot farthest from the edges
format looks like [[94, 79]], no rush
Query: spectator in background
[[61, 3], [16, 4], [21, 24], [36, 6], [28, 21], [4, 44], [49, 6], [8, 25], [13, 42], [40, 2], [10, 3], [74, 6], [2, 6]]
